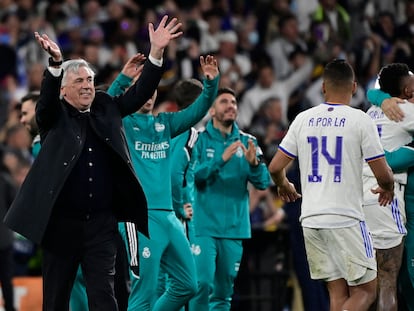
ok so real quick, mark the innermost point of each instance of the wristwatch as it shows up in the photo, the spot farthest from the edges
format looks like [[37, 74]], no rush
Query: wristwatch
[[53, 63]]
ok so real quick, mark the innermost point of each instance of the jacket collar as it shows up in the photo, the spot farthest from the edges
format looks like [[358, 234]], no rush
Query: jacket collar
[[73, 112], [216, 134]]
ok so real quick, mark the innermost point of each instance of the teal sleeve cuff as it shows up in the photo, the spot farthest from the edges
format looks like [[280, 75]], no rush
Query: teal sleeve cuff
[[376, 96]]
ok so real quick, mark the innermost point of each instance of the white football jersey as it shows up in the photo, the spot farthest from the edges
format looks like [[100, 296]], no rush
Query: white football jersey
[[331, 142], [393, 134]]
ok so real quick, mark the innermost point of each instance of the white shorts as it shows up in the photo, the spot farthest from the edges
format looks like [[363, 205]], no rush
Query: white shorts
[[386, 223], [341, 253]]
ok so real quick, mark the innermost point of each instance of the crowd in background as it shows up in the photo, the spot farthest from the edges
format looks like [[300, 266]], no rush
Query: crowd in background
[[271, 52]]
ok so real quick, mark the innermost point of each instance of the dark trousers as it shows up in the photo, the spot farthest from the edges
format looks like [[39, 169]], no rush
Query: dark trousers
[[90, 242], [122, 282], [6, 275]]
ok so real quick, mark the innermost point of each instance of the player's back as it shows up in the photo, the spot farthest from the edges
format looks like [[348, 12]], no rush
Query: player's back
[[332, 141]]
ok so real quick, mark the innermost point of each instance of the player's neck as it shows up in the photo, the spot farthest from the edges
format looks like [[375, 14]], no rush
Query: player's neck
[[338, 100]]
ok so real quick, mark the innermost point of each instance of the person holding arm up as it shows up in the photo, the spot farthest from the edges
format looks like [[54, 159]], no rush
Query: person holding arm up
[[82, 182]]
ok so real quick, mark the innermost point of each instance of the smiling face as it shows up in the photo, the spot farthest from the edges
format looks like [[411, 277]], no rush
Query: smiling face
[[224, 109], [78, 88]]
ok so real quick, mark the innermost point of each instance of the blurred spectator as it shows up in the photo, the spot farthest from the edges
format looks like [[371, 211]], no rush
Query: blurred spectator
[[334, 22], [269, 86], [8, 74], [248, 34], [268, 127], [231, 61], [210, 31], [281, 48], [373, 7], [303, 10], [314, 96], [405, 32], [7, 193], [266, 211], [268, 14]]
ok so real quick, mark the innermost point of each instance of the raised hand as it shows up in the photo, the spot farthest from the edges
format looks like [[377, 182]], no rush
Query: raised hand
[[209, 67], [133, 67], [231, 150], [160, 37], [250, 153], [49, 46]]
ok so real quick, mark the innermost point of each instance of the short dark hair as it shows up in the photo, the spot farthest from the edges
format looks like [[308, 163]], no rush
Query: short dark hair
[[186, 91], [339, 72], [33, 96], [391, 78], [226, 90]]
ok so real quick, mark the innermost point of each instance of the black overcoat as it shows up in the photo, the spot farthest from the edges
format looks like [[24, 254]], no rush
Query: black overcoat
[[62, 142]]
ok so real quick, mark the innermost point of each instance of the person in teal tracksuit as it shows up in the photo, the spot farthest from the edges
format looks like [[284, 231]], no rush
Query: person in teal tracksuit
[[185, 92], [400, 160], [182, 186], [149, 140], [224, 161]]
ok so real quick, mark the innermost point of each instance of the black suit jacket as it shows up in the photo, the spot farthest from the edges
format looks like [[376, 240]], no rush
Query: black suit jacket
[[62, 142]]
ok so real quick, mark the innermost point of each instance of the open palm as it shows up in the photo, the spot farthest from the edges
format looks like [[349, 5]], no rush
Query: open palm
[[209, 66]]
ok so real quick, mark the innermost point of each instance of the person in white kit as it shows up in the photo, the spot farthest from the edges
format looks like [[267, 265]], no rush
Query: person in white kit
[[331, 142], [387, 225]]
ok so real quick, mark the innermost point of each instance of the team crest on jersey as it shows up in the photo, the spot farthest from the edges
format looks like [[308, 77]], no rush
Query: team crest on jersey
[[195, 249], [239, 152], [159, 127], [146, 253], [210, 153]]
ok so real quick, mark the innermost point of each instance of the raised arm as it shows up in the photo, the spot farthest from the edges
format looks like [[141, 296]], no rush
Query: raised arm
[[47, 108], [188, 117], [130, 72], [144, 88]]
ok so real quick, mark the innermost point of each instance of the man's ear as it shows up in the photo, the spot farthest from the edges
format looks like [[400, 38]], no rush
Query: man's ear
[[407, 93], [354, 88]]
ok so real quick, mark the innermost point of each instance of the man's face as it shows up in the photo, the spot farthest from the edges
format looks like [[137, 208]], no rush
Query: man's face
[[27, 117], [224, 109], [79, 89]]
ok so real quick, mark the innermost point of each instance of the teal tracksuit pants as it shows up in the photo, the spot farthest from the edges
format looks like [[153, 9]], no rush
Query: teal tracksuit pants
[[167, 248], [218, 262]]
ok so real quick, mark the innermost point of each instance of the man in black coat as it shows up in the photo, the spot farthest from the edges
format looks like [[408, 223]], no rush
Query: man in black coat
[[82, 181]]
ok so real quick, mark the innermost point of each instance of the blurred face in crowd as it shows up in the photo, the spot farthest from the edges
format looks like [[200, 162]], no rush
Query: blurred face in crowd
[[274, 111], [78, 88], [266, 77], [27, 117], [224, 109]]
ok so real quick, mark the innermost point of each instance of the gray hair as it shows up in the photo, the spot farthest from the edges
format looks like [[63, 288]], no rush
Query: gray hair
[[73, 66]]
